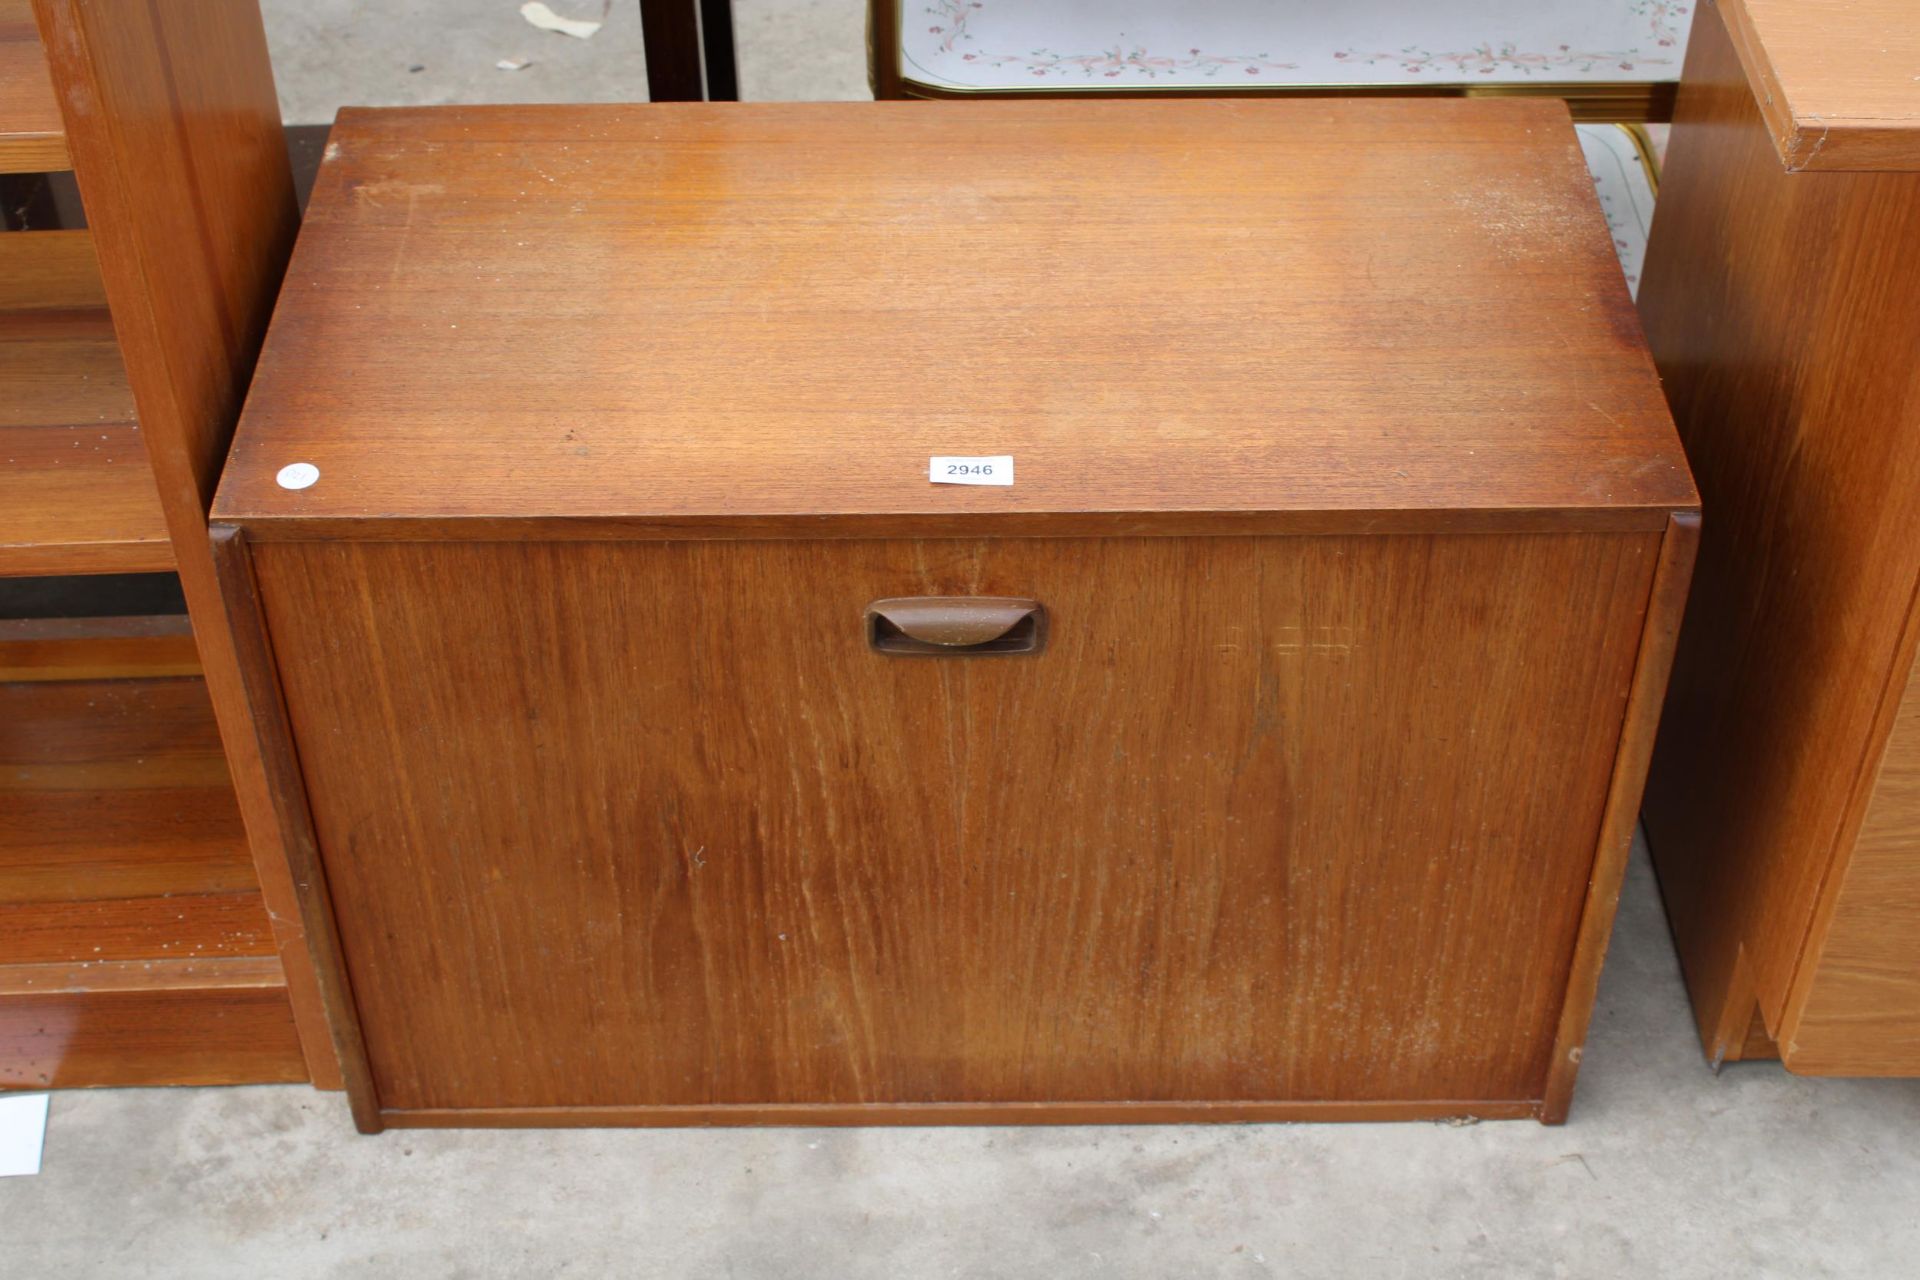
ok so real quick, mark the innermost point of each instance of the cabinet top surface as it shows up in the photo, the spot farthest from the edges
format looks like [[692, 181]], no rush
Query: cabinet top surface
[[714, 314], [1838, 80]]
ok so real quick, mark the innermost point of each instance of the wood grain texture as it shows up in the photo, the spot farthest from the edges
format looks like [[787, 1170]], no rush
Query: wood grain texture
[[180, 157], [1859, 1014], [78, 843], [50, 271], [1777, 307], [105, 930], [1660, 633], [114, 789], [178, 149], [32, 139], [281, 820], [121, 856], [96, 648], [1838, 81], [146, 1023], [76, 495], [74, 500], [1269, 821], [549, 312], [155, 731]]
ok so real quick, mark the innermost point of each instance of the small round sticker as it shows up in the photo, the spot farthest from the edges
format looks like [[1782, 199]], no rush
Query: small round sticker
[[297, 475]]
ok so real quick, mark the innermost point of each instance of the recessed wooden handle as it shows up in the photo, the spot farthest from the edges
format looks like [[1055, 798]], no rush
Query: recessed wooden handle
[[956, 626]]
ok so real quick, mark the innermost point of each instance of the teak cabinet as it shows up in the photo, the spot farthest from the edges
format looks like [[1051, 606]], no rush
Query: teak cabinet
[[657, 744], [1781, 303]]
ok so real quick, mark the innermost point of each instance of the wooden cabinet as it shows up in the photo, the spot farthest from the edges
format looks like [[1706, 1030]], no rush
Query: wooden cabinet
[[657, 744], [1779, 301]]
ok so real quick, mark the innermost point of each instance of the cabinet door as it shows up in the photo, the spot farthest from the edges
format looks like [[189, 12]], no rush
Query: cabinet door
[[653, 824]]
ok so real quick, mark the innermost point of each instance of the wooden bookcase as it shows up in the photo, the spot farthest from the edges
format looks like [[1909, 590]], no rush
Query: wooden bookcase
[[137, 943]]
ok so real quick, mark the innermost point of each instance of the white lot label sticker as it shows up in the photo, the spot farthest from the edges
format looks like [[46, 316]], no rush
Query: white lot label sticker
[[995, 470], [297, 475]]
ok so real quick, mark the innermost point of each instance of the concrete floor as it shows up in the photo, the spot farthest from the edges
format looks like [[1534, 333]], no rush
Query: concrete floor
[[333, 53], [1665, 1169]]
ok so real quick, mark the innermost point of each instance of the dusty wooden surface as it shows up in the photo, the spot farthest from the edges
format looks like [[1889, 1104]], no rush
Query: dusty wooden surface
[[671, 318], [134, 948]]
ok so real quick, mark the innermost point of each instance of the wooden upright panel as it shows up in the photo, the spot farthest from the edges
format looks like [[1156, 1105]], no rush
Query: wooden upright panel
[[1781, 309], [181, 161], [1247, 831], [175, 132]]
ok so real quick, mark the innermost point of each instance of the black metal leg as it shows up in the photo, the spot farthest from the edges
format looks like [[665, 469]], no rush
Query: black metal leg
[[689, 48], [716, 42]]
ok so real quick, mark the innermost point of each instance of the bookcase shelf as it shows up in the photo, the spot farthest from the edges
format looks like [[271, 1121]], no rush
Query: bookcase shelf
[[32, 139], [76, 493], [128, 902]]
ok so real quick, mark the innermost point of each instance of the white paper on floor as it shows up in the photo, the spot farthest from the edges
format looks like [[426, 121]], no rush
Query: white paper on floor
[[23, 1131], [536, 12]]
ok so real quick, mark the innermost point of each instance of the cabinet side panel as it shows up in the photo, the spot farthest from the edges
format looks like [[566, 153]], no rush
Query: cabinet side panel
[[1861, 1014], [630, 824], [1781, 311]]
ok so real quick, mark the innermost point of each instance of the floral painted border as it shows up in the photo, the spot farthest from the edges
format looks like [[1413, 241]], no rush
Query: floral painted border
[[1110, 62], [1663, 17], [1487, 60], [952, 17]]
